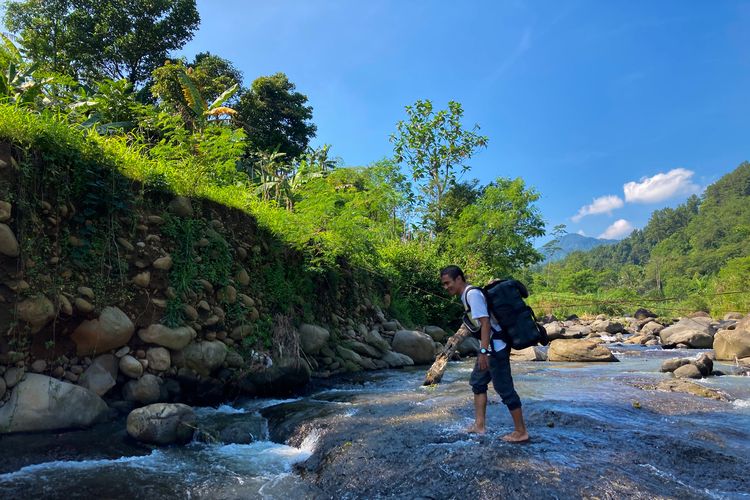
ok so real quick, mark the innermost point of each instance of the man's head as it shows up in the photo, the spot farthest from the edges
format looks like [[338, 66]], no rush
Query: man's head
[[453, 280]]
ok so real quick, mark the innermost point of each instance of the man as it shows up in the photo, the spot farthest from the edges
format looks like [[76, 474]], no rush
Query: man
[[493, 362]]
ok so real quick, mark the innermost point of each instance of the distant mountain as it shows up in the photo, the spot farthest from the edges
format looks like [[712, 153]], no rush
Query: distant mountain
[[569, 243]]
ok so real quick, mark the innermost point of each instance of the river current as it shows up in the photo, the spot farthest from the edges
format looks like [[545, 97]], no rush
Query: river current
[[598, 430]]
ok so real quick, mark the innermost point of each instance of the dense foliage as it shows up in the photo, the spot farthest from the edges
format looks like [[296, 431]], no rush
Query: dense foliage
[[202, 134], [691, 257]]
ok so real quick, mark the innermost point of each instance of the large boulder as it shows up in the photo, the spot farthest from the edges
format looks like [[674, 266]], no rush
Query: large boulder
[[607, 326], [312, 338], [732, 344], [101, 375], [362, 349], [172, 338], [578, 350], [469, 347], [203, 357], [417, 345], [162, 423], [283, 378], [41, 403], [112, 329], [694, 332]]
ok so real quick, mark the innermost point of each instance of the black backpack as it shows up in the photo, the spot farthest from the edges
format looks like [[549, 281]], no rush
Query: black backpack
[[517, 320]]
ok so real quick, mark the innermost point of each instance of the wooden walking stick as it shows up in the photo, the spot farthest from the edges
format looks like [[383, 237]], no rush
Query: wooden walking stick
[[435, 373]]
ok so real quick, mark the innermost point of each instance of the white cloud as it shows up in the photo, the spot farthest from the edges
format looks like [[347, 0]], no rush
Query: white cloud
[[601, 205], [619, 229], [661, 187], [581, 232]]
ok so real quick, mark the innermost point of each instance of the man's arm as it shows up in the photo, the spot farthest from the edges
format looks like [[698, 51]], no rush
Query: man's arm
[[484, 342]]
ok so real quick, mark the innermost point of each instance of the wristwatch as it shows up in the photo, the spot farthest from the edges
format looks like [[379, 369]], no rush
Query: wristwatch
[[484, 351]]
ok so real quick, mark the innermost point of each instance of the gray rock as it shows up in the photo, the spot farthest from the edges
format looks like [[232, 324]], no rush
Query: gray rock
[[37, 311], [131, 366], [688, 371], [101, 375], [533, 353], [163, 263], [578, 350], [158, 359], [113, 329], [417, 345], [145, 390], [312, 338], [173, 338], [41, 403], [38, 366], [362, 349], [469, 347], [5, 211], [13, 376], [695, 332], [733, 344], [162, 424], [437, 333], [397, 360], [203, 357], [8, 241], [3, 388], [671, 365], [283, 378], [374, 339], [181, 206]]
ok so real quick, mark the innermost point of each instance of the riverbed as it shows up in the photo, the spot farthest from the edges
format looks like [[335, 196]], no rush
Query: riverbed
[[597, 430]]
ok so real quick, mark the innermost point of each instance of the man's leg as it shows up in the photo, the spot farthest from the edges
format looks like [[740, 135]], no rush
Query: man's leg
[[479, 381], [503, 383]]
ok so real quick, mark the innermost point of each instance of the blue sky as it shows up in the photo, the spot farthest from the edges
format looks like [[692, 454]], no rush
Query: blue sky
[[579, 98]]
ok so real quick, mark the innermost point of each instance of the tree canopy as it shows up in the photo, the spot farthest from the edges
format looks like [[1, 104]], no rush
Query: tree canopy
[[275, 116], [103, 38]]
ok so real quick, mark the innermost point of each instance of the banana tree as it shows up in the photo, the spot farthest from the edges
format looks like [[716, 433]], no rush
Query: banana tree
[[201, 112], [17, 82]]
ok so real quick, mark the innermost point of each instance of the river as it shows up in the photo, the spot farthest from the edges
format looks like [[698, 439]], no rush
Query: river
[[598, 430]]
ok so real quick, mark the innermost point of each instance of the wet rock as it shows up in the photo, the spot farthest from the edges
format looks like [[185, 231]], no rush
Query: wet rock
[[41, 403], [37, 311], [688, 370], [682, 385], [579, 350], [312, 338], [417, 345], [172, 338], [111, 330], [162, 424], [671, 365], [8, 242]]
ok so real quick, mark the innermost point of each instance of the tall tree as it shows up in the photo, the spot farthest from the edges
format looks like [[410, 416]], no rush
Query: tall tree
[[276, 117], [103, 38], [435, 146]]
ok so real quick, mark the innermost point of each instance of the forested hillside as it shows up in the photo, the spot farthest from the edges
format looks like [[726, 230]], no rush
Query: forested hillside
[[696, 255]]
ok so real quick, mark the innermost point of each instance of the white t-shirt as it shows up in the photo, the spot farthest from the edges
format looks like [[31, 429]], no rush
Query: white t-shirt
[[478, 309]]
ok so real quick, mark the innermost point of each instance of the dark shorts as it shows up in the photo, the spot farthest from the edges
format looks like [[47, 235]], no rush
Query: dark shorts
[[499, 374]]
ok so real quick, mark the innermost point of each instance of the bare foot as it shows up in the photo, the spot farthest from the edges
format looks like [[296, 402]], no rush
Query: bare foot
[[516, 437], [473, 429]]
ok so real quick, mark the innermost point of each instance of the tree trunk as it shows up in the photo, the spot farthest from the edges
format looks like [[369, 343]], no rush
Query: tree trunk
[[435, 373]]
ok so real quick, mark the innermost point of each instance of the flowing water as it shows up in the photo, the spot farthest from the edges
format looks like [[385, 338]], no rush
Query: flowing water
[[598, 430]]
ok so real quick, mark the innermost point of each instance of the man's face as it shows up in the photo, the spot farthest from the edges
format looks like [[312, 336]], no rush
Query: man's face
[[452, 286]]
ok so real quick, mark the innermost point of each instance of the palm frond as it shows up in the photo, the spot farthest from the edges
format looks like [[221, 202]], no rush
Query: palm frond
[[224, 96], [192, 95]]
